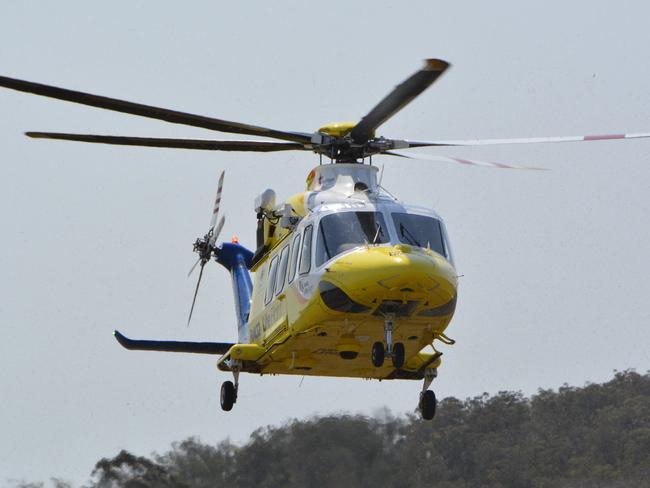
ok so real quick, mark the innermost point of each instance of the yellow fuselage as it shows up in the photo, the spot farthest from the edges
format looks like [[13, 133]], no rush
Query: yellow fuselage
[[419, 286], [301, 334], [322, 319]]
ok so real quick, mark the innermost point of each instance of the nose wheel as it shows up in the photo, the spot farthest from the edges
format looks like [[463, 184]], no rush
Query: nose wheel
[[396, 351], [378, 354], [398, 355]]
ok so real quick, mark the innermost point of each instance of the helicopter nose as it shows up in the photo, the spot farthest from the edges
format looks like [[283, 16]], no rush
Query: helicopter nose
[[384, 277]]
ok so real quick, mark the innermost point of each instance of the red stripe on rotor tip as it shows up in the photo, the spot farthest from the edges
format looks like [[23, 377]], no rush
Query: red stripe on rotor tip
[[467, 161], [462, 161], [604, 137]]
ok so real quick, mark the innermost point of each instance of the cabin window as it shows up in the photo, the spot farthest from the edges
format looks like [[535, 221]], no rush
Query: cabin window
[[420, 231], [295, 252], [339, 232], [305, 255], [273, 271], [282, 270]]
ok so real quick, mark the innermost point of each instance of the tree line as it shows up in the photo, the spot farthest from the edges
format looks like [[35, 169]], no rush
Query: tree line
[[592, 436]]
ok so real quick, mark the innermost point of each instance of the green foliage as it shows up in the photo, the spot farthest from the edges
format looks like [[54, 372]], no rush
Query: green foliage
[[128, 471], [199, 465], [597, 436]]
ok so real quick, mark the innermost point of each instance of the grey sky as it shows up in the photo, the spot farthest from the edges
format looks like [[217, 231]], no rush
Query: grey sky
[[98, 237]]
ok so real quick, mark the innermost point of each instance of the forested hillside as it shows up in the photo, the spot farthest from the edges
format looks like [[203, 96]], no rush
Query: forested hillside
[[594, 436]]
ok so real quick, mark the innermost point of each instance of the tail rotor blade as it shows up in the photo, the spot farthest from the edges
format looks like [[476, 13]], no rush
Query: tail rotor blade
[[217, 201], [196, 291], [205, 246], [216, 231], [193, 267]]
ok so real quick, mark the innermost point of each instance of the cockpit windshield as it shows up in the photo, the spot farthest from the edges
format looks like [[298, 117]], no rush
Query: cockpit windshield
[[339, 232], [420, 231]]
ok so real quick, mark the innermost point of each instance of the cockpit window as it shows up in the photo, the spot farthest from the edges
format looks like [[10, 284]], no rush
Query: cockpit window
[[273, 271], [420, 231], [305, 255], [293, 263], [341, 231], [282, 270]]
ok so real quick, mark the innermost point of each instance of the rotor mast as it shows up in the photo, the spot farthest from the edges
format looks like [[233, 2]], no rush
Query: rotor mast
[[335, 142]]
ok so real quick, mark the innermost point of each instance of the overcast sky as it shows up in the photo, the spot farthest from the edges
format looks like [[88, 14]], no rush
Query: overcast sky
[[95, 237]]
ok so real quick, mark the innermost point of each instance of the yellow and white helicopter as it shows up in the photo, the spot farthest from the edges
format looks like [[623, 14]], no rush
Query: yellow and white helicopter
[[345, 274]]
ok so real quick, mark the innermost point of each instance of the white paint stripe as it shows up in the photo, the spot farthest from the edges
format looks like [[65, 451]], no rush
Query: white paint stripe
[[530, 140]]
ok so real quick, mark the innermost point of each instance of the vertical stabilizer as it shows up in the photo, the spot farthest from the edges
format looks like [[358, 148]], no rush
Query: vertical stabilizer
[[237, 259]]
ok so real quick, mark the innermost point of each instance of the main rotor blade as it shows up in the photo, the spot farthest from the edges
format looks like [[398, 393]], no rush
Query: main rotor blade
[[398, 98], [528, 140], [149, 111], [201, 144], [447, 159]]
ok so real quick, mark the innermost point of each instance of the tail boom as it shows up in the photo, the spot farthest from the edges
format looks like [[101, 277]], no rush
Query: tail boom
[[237, 259]]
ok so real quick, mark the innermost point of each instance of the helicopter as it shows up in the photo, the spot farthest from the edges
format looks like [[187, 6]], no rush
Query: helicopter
[[346, 280]]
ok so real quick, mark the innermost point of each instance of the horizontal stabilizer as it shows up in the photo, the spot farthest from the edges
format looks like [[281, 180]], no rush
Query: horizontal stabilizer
[[173, 346]]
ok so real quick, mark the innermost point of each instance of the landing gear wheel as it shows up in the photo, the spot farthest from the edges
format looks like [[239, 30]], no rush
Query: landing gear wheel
[[378, 354], [228, 395], [398, 355], [428, 405]]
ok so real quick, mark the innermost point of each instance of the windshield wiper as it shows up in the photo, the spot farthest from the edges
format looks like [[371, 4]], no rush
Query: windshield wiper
[[327, 249], [404, 231], [379, 232]]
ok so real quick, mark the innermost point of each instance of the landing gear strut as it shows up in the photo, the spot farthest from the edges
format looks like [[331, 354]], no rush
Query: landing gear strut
[[229, 390], [388, 333], [428, 402], [394, 351]]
